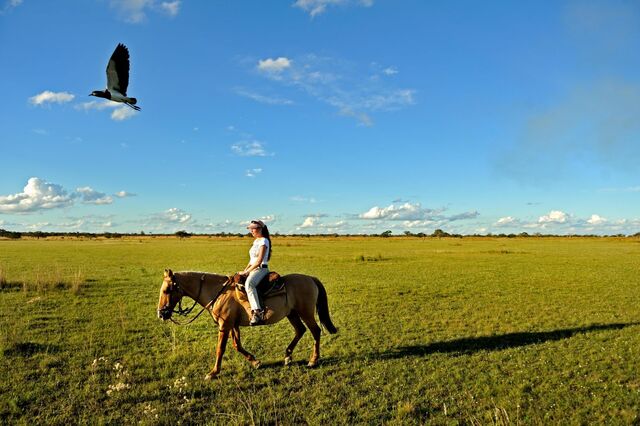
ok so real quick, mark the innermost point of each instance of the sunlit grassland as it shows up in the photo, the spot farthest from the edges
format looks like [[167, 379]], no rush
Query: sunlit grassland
[[522, 330]]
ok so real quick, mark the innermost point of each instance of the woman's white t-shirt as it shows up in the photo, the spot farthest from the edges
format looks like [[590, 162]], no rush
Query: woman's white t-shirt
[[254, 252]]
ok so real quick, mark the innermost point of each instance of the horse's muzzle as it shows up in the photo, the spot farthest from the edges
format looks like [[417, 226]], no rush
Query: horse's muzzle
[[164, 314]]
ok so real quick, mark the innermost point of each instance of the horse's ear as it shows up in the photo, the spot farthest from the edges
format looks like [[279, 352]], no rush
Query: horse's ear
[[168, 273]]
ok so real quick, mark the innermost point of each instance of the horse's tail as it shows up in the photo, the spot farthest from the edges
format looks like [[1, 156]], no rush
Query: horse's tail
[[322, 306]]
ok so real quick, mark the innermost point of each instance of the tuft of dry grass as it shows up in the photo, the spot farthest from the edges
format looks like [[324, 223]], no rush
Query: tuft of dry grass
[[77, 281], [4, 280], [44, 280], [3, 277]]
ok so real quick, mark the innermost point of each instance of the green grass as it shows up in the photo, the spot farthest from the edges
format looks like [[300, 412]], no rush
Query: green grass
[[442, 331]]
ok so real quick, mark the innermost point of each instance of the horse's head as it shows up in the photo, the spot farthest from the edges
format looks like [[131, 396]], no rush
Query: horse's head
[[170, 295]]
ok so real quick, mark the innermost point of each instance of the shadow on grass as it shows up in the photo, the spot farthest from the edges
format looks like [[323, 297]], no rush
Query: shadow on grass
[[27, 349], [500, 342], [457, 347]]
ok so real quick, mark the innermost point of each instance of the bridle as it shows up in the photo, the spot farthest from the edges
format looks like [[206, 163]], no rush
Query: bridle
[[184, 312]]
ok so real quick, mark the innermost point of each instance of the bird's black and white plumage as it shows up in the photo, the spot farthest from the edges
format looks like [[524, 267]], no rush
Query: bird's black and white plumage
[[118, 78]]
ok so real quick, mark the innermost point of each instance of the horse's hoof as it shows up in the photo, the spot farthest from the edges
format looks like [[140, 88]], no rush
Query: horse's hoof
[[209, 376], [256, 364], [312, 364], [288, 360]]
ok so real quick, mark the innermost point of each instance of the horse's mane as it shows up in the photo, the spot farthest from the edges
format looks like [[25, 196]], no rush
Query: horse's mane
[[199, 273]]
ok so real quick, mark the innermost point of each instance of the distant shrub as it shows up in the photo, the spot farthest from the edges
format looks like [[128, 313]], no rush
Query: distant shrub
[[363, 258], [440, 233], [8, 234]]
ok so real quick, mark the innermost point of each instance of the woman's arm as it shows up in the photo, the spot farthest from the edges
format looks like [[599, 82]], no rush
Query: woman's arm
[[250, 267]]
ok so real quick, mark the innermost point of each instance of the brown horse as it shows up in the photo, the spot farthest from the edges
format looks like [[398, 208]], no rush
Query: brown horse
[[230, 309]]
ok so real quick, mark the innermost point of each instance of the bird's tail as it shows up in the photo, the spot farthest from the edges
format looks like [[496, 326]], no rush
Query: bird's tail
[[132, 103]]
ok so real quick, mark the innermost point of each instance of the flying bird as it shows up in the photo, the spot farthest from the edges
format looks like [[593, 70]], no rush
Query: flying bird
[[118, 78]]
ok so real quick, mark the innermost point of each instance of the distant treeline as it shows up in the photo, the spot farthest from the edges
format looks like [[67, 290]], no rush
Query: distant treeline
[[438, 233]]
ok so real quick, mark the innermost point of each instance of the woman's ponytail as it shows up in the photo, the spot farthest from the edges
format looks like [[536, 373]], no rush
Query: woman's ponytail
[[265, 234]]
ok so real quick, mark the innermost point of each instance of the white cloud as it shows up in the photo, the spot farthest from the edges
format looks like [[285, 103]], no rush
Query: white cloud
[[390, 71], [506, 221], [270, 100], [318, 7], [363, 118], [171, 7], [596, 220], [274, 66], [388, 101], [9, 225], [176, 216], [123, 113], [300, 199], [268, 219], [309, 222], [86, 223], [339, 84], [120, 112], [406, 211], [253, 172], [132, 11], [411, 216], [312, 223], [249, 149], [462, 216], [135, 11], [427, 223], [124, 194], [97, 105], [37, 195], [48, 97], [10, 5], [91, 196], [555, 216]]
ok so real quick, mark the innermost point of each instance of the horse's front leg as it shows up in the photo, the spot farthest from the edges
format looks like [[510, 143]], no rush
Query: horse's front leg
[[223, 336], [235, 334]]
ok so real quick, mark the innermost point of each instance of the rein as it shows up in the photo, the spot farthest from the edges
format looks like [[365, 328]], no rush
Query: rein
[[185, 312]]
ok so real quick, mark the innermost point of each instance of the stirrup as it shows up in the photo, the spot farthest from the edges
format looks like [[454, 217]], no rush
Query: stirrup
[[257, 317]]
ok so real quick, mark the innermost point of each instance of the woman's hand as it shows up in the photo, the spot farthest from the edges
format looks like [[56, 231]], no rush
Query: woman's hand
[[243, 273]]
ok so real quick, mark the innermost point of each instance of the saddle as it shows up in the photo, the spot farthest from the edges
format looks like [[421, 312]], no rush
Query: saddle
[[271, 285]]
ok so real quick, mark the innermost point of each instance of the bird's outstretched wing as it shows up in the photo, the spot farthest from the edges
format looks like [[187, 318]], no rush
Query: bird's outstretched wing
[[118, 70]]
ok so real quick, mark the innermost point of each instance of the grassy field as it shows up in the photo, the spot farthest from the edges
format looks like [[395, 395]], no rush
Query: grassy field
[[442, 331]]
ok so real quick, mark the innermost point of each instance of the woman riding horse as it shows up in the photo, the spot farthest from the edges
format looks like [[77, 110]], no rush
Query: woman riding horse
[[257, 268], [304, 295]]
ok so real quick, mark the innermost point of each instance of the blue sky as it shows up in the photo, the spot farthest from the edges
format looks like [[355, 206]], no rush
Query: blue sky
[[322, 116]]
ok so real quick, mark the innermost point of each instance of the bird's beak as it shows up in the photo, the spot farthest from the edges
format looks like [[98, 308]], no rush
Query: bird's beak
[[91, 94]]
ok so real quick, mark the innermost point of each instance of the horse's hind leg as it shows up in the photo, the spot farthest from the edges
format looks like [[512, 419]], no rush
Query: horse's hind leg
[[235, 335], [311, 323], [297, 324]]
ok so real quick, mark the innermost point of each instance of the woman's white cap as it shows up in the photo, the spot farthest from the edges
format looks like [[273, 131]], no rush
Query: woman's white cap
[[256, 224]]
